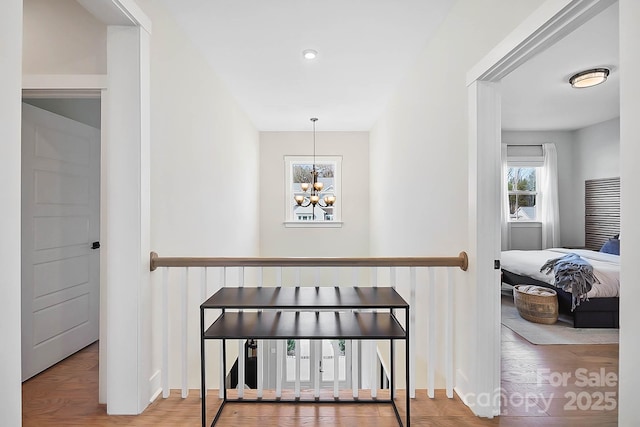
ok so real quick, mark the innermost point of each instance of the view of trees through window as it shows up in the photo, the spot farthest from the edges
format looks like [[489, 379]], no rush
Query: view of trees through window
[[302, 172], [523, 191]]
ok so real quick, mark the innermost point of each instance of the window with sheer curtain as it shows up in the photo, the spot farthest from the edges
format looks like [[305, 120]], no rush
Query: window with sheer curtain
[[530, 189]]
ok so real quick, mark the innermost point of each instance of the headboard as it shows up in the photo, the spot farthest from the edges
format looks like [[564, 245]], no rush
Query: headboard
[[602, 211]]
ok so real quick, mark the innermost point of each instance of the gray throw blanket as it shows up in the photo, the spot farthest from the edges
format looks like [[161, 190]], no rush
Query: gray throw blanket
[[572, 274]]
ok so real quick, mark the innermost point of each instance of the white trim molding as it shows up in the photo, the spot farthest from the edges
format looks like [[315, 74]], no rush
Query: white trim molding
[[313, 224], [118, 12], [548, 24], [63, 82]]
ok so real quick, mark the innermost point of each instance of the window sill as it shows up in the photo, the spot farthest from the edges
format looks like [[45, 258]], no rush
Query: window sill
[[313, 224]]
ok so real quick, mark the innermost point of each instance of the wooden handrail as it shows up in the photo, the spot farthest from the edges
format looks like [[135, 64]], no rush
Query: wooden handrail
[[461, 261]]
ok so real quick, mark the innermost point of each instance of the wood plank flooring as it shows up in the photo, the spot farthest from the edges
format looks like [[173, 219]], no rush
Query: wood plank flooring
[[67, 395]]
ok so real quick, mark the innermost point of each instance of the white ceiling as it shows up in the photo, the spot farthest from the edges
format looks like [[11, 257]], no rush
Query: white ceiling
[[538, 96], [365, 48]]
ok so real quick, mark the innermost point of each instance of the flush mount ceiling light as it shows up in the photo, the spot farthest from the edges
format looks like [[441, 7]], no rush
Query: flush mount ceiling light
[[589, 78], [309, 54]]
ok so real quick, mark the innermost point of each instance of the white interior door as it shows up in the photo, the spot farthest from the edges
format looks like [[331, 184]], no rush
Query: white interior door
[[60, 222]]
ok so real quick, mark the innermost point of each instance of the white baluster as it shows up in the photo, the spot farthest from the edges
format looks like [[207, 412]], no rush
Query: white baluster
[[260, 350], [260, 360], [241, 348], [165, 332], [448, 345], [374, 277], [298, 353], [355, 378], [203, 298], [185, 294], [223, 374], [279, 366], [241, 364], [317, 350], [431, 333], [412, 332], [392, 280], [336, 365], [374, 369]]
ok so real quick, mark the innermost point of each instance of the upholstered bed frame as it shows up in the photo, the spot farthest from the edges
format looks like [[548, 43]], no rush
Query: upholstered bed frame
[[602, 221]]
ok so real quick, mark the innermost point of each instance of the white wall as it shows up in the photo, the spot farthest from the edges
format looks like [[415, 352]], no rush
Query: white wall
[[61, 37], [10, 95], [350, 240], [597, 155], [204, 170], [419, 150], [629, 374]]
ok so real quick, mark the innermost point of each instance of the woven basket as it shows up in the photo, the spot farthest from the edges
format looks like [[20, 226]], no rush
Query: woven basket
[[536, 303]]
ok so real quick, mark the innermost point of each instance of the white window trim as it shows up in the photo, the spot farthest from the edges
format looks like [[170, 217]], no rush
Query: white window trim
[[289, 221]]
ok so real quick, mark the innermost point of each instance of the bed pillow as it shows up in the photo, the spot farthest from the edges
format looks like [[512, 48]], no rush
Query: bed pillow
[[611, 246]]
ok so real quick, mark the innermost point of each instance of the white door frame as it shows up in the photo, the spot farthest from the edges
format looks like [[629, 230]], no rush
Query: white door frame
[[125, 218], [549, 23]]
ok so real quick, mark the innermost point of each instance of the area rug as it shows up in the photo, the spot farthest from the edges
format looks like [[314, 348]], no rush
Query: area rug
[[562, 332]]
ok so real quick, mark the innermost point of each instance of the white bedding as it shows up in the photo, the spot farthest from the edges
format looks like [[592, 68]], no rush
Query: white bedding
[[606, 267]]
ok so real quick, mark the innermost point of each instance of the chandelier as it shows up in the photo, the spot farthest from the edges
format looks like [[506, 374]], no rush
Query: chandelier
[[313, 195]]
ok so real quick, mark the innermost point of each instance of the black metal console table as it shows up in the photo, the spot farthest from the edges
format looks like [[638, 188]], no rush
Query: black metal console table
[[304, 320]]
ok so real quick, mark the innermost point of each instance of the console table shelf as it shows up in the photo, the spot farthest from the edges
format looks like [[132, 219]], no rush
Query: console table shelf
[[306, 313], [305, 298], [305, 325]]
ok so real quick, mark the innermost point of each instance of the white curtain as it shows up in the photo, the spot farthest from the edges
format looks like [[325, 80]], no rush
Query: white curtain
[[550, 211], [504, 197]]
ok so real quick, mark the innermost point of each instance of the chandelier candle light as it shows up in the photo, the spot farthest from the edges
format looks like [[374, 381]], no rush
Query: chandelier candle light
[[315, 196]]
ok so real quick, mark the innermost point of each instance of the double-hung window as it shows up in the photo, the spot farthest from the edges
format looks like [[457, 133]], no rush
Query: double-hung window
[[523, 178], [522, 185], [299, 183]]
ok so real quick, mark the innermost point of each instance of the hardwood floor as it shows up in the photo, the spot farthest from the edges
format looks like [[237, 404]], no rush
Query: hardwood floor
[[67, 395]]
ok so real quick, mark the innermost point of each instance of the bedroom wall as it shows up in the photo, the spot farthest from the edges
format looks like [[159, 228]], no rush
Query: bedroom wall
[[419, 159], [565, 146], [352, 239], [597, 155]]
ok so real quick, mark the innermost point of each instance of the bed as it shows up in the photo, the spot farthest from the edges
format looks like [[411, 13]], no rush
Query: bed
[[601, 308], [602, 225]]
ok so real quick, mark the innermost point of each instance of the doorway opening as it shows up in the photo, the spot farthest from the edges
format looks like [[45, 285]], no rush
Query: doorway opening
[[543, 29], [60, 227]]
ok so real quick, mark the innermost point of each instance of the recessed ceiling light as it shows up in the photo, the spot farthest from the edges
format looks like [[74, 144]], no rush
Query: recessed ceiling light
[[309, 53], [589, 78]]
